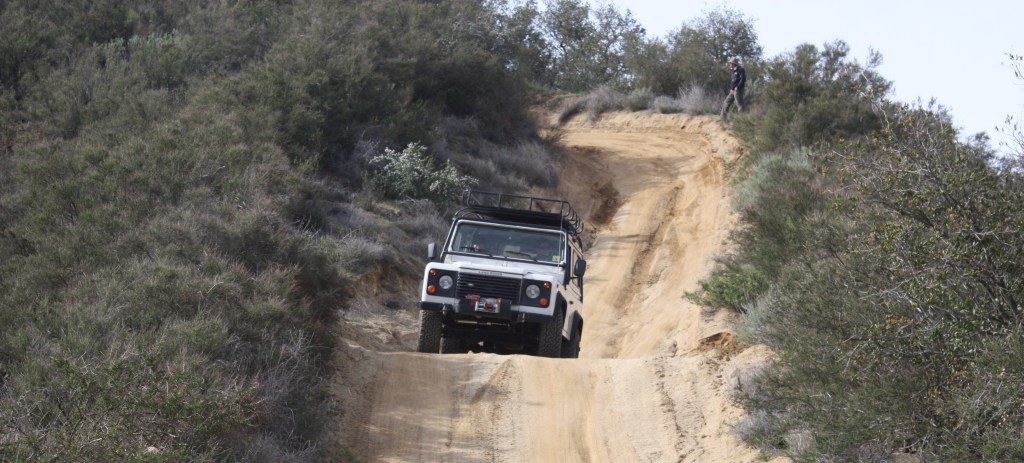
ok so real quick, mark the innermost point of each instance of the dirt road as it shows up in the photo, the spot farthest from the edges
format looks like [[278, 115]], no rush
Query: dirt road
[[656, 371]]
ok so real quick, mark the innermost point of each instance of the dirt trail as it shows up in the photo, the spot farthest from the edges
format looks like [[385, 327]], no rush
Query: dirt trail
[[656, 371]]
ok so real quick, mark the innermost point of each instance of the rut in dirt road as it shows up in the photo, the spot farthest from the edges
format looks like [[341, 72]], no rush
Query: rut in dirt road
[[646, 387]]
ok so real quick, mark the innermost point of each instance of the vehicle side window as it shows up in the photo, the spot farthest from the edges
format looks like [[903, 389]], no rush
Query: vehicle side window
[[571, 270], [569, 261]]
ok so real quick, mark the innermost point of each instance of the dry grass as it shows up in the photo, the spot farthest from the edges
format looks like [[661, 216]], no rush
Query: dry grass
[[693, 100]]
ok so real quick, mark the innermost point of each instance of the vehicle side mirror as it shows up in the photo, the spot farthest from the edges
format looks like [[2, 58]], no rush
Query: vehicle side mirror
[[581, 268], [432, 251]]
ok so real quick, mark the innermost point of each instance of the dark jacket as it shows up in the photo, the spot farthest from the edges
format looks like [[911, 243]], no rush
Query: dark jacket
[[739, 78]]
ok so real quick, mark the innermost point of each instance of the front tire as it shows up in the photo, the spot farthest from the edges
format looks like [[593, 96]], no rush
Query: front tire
[[571, 347], [549, 344], [430, 332]]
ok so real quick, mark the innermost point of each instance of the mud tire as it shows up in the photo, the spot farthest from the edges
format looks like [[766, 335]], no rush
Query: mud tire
[[549, 343], [430, 332], [571, 347]]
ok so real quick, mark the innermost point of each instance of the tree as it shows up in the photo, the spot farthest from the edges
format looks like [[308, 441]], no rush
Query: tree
[[520, 41], [650, 66], [813, 95], [588, 46], [701, 48], [1013, 142]]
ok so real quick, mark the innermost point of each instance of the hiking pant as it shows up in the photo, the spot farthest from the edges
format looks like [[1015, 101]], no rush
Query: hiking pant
[[734, 95]]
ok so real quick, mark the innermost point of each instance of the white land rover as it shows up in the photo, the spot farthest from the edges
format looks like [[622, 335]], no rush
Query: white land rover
[[509, 279]]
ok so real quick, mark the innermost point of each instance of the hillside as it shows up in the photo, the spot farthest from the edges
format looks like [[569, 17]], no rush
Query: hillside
[[654, 378], [213, 214]]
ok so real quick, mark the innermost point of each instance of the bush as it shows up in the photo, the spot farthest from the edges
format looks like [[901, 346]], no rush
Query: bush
[[570, 108], [118, 406], [638, 100], [752, 324], [599, 101], [780, 204], [603, 99], [895, 318], [216, 324], [667, 105], [144, 217], [731, 288], [693, 100], [815, 95], [531, 161], [410, 174]]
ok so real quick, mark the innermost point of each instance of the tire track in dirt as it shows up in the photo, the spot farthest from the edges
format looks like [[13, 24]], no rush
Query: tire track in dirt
[[657, 171], [642, 273], [669, 405]]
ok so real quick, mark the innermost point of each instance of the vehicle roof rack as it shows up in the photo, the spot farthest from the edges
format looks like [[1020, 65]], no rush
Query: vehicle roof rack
[[518, 208]]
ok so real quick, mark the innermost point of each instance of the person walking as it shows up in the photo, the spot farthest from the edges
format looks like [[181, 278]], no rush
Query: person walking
[[739, 81]]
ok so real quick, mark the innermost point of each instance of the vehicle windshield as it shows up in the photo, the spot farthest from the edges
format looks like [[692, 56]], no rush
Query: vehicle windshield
[[515, 243]]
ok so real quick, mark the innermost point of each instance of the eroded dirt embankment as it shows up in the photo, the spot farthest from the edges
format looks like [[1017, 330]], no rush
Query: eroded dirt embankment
[[656, 371]]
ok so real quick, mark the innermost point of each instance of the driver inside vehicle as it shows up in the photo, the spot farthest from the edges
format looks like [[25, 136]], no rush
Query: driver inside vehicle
[[547, 251], [483, 244]]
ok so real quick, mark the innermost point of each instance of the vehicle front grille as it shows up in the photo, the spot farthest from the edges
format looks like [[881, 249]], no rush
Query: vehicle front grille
[[488, 286]]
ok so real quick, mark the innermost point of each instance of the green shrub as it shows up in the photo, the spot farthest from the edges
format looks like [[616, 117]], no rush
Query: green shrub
[[896, 318], [778, 190], [119, 406], [814, 95], [410, 174], [154, 238], [781, 204], [732, 288]]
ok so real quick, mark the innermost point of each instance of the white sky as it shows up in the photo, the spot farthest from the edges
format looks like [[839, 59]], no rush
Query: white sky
[[954, 51]]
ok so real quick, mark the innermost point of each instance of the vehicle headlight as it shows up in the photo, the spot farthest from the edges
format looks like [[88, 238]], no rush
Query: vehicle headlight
[[532, 291], [446, 282]]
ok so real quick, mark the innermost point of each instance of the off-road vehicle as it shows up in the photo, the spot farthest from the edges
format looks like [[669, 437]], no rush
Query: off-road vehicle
[[508, 279]]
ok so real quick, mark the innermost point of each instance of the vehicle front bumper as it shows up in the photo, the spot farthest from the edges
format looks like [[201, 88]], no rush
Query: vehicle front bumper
[[466, 308]]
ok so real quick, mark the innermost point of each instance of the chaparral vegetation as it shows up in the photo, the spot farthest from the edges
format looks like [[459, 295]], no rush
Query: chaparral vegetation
[[191, 193]]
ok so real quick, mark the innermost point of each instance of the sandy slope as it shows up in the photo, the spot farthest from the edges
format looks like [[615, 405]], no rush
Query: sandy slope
[[656, 371]]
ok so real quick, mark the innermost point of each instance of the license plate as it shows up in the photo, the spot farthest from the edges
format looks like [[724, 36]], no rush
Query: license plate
[[488, 305]]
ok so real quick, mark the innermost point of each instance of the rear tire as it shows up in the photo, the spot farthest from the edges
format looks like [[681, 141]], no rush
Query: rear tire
[[430, 332], [549, 344], [452, 346], [571, 347]]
